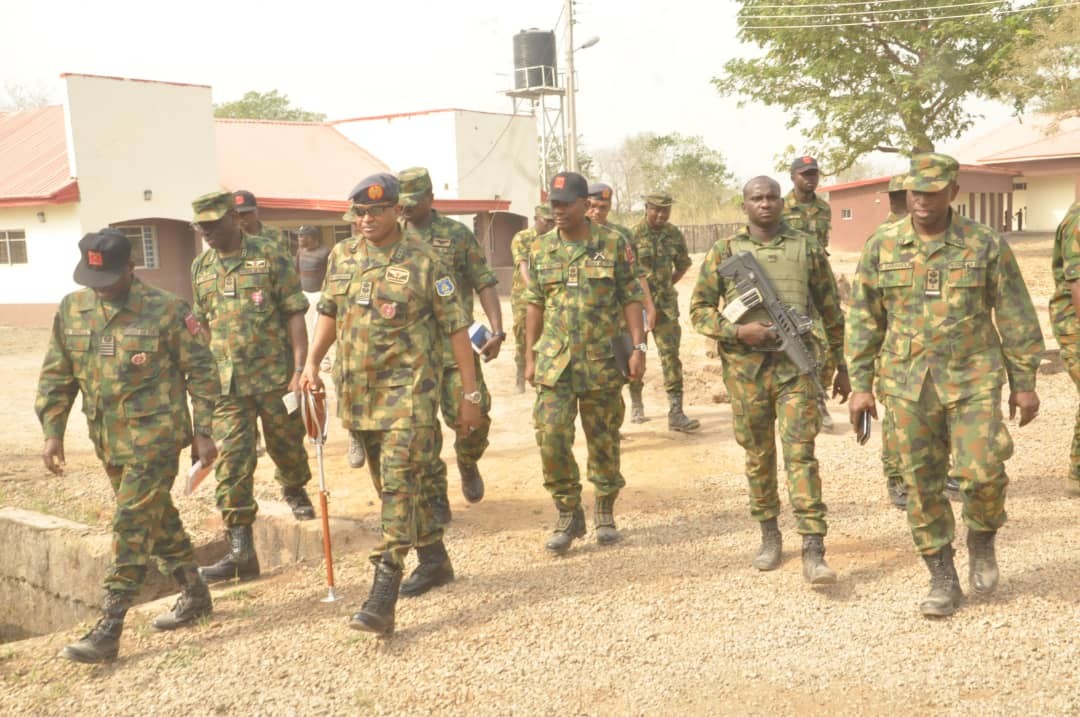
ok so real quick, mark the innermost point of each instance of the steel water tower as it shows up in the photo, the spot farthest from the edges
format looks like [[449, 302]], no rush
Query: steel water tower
[[537, 85]]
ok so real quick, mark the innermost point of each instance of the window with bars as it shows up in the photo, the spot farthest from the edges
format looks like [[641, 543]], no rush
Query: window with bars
[[144, 246], [342, 232], [12, 246], [845, 214]]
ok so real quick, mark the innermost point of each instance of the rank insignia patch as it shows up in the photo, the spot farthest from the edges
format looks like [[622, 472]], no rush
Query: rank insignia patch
[[397, 275]]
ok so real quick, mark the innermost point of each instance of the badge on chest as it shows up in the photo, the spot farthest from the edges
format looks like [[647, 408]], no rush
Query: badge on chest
[[363, 296], [933, 283], [573, 276]]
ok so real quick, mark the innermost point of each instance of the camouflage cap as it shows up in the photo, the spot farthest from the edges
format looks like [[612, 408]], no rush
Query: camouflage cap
[[415, 183], [213, 206], [896, 184], [543, 210], [659, 199], [931, 172]]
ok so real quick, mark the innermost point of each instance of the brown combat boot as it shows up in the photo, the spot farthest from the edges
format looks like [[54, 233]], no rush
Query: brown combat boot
[[356, 455], [945, 593], [377, 613], [102, 643], [814, 568], [982, 562], [637, 406], [772, 544], [676, 419]]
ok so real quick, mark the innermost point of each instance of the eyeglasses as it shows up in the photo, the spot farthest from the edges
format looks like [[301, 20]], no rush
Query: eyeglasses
[[208, 228], [376, 210]]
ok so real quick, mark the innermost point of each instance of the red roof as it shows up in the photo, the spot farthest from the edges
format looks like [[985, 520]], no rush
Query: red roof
[[965, 168], [34, 166]]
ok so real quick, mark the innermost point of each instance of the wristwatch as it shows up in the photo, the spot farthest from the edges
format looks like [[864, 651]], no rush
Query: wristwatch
[[475, 397], [642, 347], [499, 335]]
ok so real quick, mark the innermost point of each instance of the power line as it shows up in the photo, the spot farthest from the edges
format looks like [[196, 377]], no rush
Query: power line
[[909, 19], [950, 6]]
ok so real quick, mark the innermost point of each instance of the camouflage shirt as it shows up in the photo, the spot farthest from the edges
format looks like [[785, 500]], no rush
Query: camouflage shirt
[[930, 307], [1066, 266], [461, 253], [392, 307], [520, 246], [246, 301], [661, 253], [133, 361], [814, 218], [711, 288], [582, 287]]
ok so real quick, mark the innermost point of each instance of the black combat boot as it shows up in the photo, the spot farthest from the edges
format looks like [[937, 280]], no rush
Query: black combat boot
[[814, 568], [102, 643], [194, 601], [377, 613], [240, 563], [571, 524], [982, 563], [637, 406], [676, 419], [440, 509], [897, 491], [357, 456], [434, 570], [945, 593], [472, 485], [297, 498], [768, 556], [604, 519]]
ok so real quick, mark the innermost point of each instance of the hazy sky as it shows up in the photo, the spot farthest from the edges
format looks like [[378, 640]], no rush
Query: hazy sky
[[649, 72]]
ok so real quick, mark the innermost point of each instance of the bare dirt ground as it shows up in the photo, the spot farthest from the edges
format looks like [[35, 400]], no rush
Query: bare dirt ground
[[672, 620]]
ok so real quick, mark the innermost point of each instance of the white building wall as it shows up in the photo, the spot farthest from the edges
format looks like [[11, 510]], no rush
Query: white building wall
[[52, 251], [423, 140], [128, 136], [497, 157], [1047, 199]]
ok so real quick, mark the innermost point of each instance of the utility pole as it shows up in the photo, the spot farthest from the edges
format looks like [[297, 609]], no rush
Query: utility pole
[[571, 90]]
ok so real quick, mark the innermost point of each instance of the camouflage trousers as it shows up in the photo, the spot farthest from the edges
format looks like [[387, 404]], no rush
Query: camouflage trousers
[[792, 405], [667, 335], [1070, 354], [468, 448], [519, 334], [972, 431], [827, 367], [145, 523], [234, 432], [553, 418], [402, 460]]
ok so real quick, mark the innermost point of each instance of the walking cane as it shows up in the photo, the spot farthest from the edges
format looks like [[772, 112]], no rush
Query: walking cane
[[313, 408]]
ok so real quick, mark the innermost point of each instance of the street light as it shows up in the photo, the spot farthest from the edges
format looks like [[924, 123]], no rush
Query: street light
[[571, 86]]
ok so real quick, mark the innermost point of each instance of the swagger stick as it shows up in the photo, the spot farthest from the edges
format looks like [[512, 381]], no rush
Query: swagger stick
[[313, 407]]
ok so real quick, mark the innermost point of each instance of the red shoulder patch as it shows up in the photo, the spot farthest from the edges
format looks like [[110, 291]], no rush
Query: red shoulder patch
[[192, 324]]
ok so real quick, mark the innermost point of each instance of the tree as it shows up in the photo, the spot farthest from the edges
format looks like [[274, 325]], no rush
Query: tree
[[268, 106], [1047, 73], [869, 74], [21, 96], [694, 173]]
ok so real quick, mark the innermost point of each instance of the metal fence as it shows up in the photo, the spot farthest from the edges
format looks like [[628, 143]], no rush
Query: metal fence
[[701, 237]]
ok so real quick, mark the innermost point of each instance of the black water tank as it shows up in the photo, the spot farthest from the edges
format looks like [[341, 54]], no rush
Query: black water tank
[[534, 59]]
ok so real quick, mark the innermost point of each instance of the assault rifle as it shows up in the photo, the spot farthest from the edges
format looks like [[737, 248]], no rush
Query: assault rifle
[[755, 289]]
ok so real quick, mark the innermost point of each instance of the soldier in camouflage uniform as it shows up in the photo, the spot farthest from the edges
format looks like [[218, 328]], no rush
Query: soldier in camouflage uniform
[[520, 246], [764, 384], [391, 303], [463, 256], [133, 351], [661, 250], [248, 209], [248, 295], [582, 288], [941, 317], [599, 207], [1063, 317], [805, 211]]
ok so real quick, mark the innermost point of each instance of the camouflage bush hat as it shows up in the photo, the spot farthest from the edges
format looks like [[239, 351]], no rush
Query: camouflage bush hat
[[105, 255], [415, 183], [543, 210], [931, 172], [381, 188], [213, 206], [599, 190], [659, 199]]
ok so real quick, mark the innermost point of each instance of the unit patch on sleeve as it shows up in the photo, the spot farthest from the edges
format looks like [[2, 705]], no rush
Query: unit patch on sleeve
[[444, 286]]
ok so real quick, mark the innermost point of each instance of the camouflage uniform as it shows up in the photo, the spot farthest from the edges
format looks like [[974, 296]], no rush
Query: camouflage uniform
[[459, 251], [925, 309], [133, 363], [582, 289], [393, 308], [765, 386], [520, 246], [1066, 266], [661, 254], [246, 302]]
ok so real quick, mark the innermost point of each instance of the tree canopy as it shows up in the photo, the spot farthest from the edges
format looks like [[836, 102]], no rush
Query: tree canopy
[[268, 106], [858, 75], [1046, 74]]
